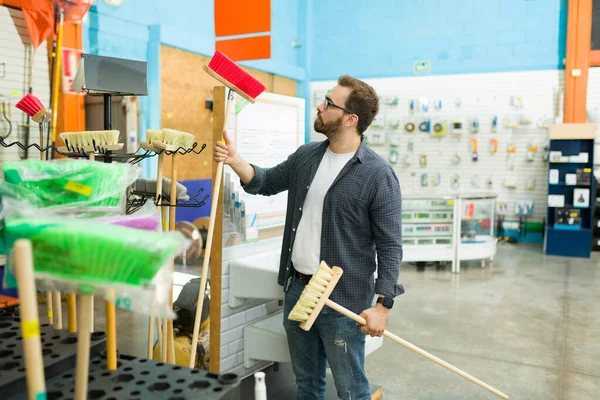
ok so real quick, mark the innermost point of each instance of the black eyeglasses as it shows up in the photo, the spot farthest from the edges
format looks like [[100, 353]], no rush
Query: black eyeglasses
[[328, 103]]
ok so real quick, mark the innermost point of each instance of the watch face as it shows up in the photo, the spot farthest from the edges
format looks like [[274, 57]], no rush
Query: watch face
[[387, 302]]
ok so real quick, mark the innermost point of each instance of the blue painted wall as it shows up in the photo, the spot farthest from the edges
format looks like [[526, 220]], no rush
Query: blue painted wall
[[382, 38], [188, 24]]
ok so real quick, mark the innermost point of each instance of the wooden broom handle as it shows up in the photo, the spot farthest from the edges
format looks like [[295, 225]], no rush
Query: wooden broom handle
[[158, 200], [83, 348], [172, 217], [417, 350], [209, 239], [30, 325]]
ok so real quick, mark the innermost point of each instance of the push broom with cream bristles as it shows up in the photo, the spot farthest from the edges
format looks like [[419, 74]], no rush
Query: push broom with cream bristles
[[237, 80], [316, 295], [174, 142]]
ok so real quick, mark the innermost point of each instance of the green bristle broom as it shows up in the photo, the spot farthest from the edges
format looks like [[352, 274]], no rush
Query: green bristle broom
[[88, 257], [75, 182]]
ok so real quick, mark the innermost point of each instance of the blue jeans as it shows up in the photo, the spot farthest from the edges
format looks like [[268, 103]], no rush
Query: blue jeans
[[333, 338]]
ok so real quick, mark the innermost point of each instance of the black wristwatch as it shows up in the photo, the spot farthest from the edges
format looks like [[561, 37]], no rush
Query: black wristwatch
[[386, 301]]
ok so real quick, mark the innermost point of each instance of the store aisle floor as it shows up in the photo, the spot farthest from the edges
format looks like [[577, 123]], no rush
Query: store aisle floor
[[528, 325]]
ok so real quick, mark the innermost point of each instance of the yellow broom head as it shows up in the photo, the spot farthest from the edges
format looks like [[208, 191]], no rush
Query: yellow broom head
[[312, 294]]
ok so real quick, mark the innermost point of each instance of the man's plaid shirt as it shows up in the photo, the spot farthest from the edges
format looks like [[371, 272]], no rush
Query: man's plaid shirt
[[362, 221]]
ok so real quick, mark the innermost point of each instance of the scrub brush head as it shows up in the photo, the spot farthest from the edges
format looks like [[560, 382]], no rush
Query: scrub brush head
[[315, 294]]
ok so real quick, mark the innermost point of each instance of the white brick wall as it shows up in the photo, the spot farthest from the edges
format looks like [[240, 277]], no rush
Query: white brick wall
[[233, 320]]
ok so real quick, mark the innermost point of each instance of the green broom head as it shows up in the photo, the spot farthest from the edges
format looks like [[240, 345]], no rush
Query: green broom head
[[72, 182], [115, 261]]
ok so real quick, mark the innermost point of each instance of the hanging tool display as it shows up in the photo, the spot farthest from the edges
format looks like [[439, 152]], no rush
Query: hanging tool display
[[510, 156], [455, 183], [393, 156], [439, 129], [423, 160], [457, 128], [425, 126], [531, 152], [424, 180], [493, 145], [490, 182], [436, 179], [409, 127], [456, 159], [474, 149], [475, 126], [476, 182], [494, 128], [411, 107]]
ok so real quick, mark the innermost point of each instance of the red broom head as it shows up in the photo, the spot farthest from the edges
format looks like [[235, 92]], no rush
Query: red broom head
[[232, 73], [30, 105]]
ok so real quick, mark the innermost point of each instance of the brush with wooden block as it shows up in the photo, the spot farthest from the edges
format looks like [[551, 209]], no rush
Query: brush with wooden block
[[88, 142], [316, 295]]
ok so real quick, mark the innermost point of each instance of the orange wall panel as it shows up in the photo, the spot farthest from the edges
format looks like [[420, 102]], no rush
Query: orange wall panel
[[239, 17], [252, 48]]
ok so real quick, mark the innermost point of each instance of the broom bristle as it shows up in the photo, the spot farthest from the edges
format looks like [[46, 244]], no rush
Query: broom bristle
[[88, 138], [231, 72], [311, 294], [177, 138], [30, 105]]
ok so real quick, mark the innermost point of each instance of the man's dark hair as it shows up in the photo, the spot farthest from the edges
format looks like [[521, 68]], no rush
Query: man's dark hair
[[362, 101]]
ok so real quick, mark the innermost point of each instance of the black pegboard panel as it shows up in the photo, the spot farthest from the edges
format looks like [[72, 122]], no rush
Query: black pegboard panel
[[138, 378], [58, 348]]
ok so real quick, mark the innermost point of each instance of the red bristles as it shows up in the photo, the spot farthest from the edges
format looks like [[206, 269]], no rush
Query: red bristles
[[30, 105], [232, 73]]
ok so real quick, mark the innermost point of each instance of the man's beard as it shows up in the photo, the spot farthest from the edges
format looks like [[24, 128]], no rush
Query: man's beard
[[330, 129]]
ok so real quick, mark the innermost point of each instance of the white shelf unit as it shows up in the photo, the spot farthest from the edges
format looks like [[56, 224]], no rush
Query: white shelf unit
[[432, 228]]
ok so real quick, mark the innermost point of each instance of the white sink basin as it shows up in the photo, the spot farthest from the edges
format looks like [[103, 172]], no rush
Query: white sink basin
[[254, 277]]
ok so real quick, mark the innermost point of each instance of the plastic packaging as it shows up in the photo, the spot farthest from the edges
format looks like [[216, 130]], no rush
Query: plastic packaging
[[128, 266], [146, 218], [72, 182]]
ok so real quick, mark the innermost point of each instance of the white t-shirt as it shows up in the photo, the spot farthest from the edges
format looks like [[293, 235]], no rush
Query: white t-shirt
[[307, 245]]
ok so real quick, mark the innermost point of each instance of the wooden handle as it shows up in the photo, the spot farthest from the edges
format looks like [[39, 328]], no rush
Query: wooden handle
[[159, 180], [150, 337], [50, 308], [30, 325], [111, 336], [418, 350], [57, 309], [83, 348], [158, 201], [71, 312], [209, 239], [172, 217], [165, 334]]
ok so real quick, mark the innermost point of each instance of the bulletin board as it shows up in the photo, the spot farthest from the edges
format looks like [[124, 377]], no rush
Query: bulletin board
[[266, 133]]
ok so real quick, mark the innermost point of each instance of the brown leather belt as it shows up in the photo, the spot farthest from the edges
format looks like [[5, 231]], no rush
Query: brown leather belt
[[304, 279]]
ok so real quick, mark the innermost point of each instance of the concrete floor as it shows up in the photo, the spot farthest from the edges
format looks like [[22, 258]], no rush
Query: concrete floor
[[528, 325]]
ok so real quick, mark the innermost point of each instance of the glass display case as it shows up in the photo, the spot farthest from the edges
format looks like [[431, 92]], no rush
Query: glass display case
[[428, 228], [449, 228], [476, 229]]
